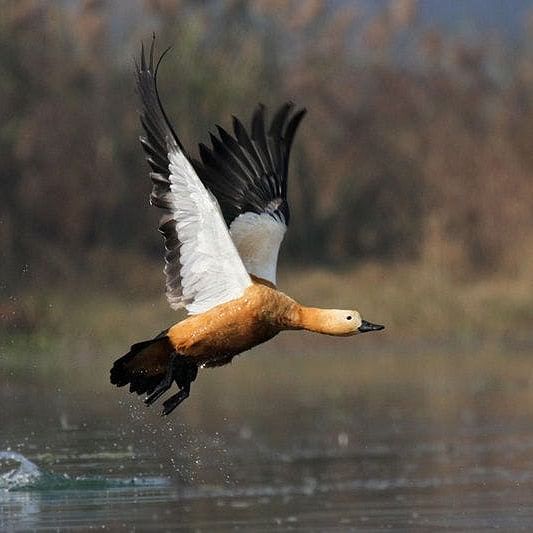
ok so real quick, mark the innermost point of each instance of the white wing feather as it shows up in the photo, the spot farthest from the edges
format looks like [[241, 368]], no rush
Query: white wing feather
[[211, 271], [258, 239]]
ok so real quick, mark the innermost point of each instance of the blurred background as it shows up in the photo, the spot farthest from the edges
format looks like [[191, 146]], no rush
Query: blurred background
[[410, 185], [411, 174]]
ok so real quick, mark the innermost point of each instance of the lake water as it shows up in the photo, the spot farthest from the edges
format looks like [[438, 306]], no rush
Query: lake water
[[390, 440]]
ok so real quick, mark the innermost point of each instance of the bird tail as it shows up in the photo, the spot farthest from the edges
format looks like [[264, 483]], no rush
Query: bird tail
[[145, 365]]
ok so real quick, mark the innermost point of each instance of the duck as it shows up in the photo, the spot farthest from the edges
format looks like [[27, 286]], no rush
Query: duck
[[223, 219]]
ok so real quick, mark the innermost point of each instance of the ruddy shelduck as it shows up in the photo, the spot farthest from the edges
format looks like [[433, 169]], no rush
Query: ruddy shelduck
[[224, 217]]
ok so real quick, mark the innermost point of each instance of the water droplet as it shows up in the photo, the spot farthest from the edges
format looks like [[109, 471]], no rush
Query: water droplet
[[343, 439]]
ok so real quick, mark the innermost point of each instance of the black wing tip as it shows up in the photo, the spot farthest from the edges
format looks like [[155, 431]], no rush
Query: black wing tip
[[161, 57], [298, 114], [258, 115], [252, 162], [260, 110], [282, 128], [284, 109], [159, 137], [237, 124], [149, 66], [148, 90], [152, 49]]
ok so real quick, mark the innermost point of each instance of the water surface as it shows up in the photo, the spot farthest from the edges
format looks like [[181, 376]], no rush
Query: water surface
[[377, 441]]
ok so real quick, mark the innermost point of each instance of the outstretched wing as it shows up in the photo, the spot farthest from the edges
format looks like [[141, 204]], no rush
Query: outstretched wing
[[247, 173], [202, 266]]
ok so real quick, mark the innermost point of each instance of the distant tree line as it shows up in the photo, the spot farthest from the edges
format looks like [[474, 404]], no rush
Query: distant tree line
[[415, 140]]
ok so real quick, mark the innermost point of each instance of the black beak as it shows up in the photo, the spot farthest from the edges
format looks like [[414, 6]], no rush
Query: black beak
[[368, 326]]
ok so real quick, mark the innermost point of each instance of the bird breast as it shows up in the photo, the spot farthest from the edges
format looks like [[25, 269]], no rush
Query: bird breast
[[232, 327]]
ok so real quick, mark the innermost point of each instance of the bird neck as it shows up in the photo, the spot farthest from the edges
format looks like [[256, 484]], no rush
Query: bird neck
[[311, 319]]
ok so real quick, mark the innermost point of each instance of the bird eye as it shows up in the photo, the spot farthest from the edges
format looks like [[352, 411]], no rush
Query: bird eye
[[348, 317]]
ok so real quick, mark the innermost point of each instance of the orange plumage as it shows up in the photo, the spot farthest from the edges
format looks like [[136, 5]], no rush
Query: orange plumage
[[224, 218]]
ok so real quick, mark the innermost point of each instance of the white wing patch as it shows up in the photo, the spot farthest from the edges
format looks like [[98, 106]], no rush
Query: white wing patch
[[211, 270], [258, 238]]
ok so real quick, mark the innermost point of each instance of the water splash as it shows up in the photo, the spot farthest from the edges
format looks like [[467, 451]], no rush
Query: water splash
[[27, 476], [27, 473]]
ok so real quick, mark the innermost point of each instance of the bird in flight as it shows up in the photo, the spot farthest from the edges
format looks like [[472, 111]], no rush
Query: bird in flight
[[223, 220]]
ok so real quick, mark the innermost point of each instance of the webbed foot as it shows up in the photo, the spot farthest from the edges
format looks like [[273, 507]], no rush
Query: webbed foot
[[187, 376], [173, 402], [164, 384]]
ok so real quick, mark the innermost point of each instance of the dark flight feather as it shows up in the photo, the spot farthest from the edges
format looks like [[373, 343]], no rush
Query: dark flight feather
[[248, 172], [160, 139]]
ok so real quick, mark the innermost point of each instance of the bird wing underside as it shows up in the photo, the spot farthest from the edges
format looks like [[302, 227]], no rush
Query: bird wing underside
[[202, 266], [247, 173]]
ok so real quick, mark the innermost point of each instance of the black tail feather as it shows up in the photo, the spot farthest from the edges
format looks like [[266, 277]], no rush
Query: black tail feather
[[144, 365], [152, 364]]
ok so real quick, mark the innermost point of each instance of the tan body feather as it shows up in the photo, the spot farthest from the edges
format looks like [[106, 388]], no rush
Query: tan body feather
[[214, 337], [217, 335]]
